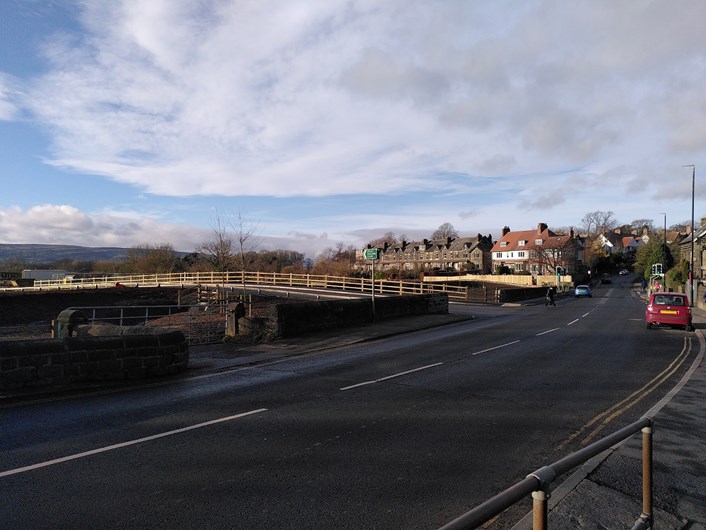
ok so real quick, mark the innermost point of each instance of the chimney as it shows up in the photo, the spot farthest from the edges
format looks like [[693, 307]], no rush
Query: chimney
[[688, 229], [506, 231], [541, 227], [618, 231], [571, 232]]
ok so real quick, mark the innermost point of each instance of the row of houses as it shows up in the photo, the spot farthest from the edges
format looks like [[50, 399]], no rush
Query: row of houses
[[539, 251]]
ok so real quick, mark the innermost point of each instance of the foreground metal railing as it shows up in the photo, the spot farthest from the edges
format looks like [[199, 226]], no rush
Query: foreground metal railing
[[537, 483]]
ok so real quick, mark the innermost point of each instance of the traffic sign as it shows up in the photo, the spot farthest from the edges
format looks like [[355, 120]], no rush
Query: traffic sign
[[370, 253]]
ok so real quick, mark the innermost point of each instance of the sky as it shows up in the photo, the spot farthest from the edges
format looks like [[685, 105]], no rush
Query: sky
[[132, 122]]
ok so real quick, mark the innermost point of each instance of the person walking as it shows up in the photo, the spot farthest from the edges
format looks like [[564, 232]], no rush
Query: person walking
[[550, 297]]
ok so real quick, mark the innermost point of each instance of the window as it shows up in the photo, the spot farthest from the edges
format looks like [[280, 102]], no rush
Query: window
[[520, 254], [498, 255], [521, 243], [503, 243], [537, 241]]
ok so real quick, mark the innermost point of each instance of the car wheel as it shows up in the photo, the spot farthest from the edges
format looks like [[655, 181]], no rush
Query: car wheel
[[648, 326], [689, 328]]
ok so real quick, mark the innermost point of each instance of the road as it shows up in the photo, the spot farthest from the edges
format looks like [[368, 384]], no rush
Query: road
[[407, 432]]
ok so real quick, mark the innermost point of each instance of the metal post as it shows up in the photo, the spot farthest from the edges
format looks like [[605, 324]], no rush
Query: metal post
[[372, 282], [647, 473], [539, 510], [693, 235]]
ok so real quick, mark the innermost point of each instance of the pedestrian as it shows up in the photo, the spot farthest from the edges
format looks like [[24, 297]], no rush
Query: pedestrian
[[550, 297], [644, 285]]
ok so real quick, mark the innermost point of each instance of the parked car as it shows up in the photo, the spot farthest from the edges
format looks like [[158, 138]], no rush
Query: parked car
[[605, 278], [669, 309], [623, 272], [582, 290]]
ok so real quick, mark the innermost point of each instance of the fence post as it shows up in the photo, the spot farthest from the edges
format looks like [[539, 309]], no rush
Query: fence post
[[539, 510], [647, 474]]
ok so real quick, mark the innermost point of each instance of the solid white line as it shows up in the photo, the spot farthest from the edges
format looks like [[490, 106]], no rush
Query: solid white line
[[573, 322], [124, 444], [585, 314], [496, 347], [391, 376], [545, 332]]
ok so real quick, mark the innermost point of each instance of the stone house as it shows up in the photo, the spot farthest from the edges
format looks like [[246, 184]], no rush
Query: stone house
[[462, 254]]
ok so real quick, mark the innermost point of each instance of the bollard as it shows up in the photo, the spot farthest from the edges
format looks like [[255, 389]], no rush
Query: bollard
[[539, 510]]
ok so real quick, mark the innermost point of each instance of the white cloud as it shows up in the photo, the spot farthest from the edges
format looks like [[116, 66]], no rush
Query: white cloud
[[324, 98], [9, 109]]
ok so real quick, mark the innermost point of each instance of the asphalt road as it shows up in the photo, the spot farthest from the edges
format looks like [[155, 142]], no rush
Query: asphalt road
[[407, 432]]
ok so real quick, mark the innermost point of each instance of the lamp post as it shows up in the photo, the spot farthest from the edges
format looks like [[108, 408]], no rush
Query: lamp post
[[664, 252], [693, 235]]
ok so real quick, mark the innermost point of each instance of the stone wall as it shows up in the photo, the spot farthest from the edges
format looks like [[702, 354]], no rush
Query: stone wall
[[45, 362], [288, 320]]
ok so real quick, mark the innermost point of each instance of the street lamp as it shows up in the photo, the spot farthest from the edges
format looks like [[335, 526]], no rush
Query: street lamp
[[664, 242], [693, 235]]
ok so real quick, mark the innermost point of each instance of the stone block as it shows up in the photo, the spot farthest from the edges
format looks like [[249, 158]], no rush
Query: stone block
[[51, 372]]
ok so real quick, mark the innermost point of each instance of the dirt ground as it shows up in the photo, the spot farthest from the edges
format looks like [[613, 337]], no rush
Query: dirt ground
[[28, 315]]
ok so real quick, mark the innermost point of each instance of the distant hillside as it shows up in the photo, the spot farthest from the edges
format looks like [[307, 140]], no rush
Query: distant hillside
[[51, 253]]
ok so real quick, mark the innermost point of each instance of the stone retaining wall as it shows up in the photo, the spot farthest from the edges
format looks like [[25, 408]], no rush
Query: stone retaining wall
[[288, 320], [45, 362]]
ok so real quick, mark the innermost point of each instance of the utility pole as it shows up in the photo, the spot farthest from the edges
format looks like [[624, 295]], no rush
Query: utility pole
[[693, 235]]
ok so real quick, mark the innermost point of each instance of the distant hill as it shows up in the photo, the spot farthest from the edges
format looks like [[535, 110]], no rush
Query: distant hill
[[51, 253]]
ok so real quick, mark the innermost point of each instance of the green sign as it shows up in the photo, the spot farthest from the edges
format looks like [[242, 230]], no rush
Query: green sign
[[370, 253]]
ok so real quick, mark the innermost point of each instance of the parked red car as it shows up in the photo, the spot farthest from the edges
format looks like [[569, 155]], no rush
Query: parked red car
[[670, 309]]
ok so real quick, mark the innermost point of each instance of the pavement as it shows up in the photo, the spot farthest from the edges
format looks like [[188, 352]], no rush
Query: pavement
[[604, 493]]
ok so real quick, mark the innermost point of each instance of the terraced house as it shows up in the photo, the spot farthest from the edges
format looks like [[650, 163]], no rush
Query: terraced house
[[538, 252], [462, 254]]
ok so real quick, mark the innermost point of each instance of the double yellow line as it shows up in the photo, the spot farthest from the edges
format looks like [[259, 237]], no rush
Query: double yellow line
[[604, 418]]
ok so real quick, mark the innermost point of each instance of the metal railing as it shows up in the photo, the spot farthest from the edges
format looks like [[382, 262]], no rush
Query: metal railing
[[537, 483], [310, 281], [201, 324]]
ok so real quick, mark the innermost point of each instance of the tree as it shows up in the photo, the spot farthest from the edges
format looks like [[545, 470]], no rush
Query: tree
[[151, 259], [597, 222], [445, 230], [246, 238], [389, 238], [218, 252], [337, 261], [639, 224]]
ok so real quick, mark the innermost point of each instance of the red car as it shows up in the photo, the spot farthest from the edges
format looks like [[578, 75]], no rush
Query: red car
[[670, 309]]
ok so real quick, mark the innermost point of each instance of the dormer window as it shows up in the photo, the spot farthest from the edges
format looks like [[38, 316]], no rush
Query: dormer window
[[537, 241], [503, 243], [521, 243]]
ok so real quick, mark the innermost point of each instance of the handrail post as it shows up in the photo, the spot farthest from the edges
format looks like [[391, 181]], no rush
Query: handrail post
[[647, 473], [539, 510]]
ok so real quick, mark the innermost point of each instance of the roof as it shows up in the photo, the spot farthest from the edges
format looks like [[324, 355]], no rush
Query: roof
[[526, 239]]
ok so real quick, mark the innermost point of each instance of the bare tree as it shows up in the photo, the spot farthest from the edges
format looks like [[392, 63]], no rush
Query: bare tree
[[598, 222], [218, 251], [639, 224], [445, 230], [390, 238], [246, 238]]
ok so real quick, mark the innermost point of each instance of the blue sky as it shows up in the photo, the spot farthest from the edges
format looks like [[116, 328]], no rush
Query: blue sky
[[132, 122]]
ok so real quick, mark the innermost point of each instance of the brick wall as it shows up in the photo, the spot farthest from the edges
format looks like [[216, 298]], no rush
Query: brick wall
[[45, 362]]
